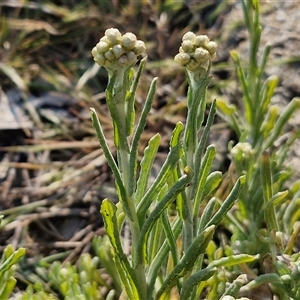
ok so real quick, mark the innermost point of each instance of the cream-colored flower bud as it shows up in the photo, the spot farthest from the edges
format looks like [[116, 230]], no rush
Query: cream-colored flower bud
[[123, 60], [211, 47], [108, 64], [196, 54], [102, 47], [117, 51], [181, 50], [140, 48], [104, 39], [131, 57], [187, 46], [99, 59], [182, 58], [189, 36], [128, 41], [242, 149], [201, 55], [213, 56], [201, 41], [109, 55], [94, 52], [113, 35], [114, 50]]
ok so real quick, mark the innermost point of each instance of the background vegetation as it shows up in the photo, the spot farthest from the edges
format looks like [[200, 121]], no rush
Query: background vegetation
[[54, 176]]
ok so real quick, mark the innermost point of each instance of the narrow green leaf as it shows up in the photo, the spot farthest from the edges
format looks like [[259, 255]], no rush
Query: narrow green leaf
[[117, 109], [194, 280], [146, 165], [7, 288], [123, 277], [266, 177], [156, 234], [196, 110], [264, 61], [245, 4], [111, 162], [293, 106], [263, 279], [199, 99], [187, 262], [130, 99], [136, 138], [242, 78], [170, 237], [176, 135], [207, 214], [8, 251], [200, 178], [229, 113], [108, 211], [267, 93], [226, 108], [102, 248], [270, 120], [234, 288], [266, 213], [267, 186], [12, 259], [161, 256], [138, 75], [181, 201], [204, 136], [177, 188], [228, 202], [279, 198], [213, 181], [165, 172], [232, 260]]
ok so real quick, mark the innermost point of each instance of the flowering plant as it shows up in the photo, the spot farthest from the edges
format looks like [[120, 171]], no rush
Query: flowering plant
[[156, 264]]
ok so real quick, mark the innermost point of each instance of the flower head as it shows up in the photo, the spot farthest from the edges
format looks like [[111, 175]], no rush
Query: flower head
[[242, 155], [196, 52], [242, 150], [115, 50]]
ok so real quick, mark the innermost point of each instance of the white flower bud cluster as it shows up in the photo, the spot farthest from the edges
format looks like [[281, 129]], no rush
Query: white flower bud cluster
[[196, 52], [115, 50], [243, 150]]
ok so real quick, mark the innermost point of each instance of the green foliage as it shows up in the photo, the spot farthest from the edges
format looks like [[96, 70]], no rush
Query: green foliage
[[259, 225], [185, 178], [261, 127], [10, 258], [175, 219], [77, 283], [83, 281]]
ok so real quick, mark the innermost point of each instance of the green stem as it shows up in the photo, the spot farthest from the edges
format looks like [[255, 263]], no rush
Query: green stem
[[123, 156], [124, 164], [188, 233], [251, 13], [118, 106], [196, 103]]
